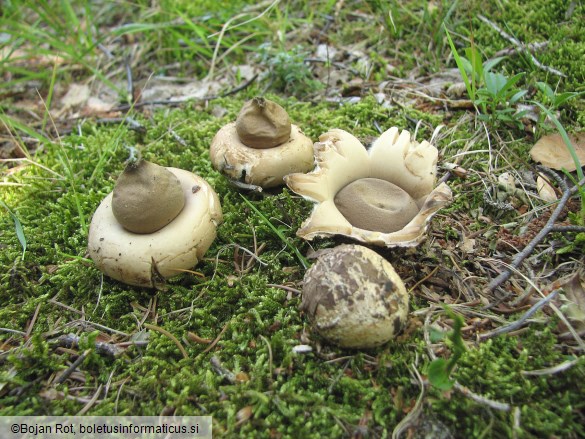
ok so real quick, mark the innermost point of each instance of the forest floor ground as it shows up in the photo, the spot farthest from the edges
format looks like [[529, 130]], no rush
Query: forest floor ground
[[84, 81]]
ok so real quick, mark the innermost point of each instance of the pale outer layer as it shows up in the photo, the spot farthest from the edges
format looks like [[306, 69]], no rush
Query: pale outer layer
[[354, 298], [129, 257], [341, 159], [260, 167]]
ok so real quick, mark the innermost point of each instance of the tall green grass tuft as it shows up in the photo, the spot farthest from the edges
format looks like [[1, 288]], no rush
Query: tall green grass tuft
[[47, 33], [493, 95]]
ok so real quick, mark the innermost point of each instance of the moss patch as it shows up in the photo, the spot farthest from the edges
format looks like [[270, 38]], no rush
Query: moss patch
[[292, 395]]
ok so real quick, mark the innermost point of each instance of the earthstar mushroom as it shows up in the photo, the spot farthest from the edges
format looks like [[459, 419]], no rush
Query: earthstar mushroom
[[149, 248], [261, 146], [384, 195], [354, 298]]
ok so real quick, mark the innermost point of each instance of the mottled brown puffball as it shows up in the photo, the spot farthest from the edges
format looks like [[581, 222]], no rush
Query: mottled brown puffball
[[354, 298], [375, 204], [146, 197], [263, 124]]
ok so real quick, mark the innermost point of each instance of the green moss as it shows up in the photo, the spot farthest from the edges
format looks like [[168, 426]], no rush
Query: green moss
[[493, 370], [537, 21]]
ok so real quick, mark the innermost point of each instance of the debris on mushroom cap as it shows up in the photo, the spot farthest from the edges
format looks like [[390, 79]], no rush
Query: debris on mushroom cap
[[264, 167], [354, 297], [552, 152], [147, 259], [341, 160], [262, 123], [146, 197]]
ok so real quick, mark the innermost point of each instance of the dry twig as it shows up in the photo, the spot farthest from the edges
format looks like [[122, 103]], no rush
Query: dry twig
[[532, 47], [71, 340], [33, 321], [222, 371], [521, 46], [548, 228], [179, 101], [565, 365], [91, 402], [285, 288], [72, 368], [214, 342], [169, 336], [496, 405], [412, 417], [131, 123], [518, 323]]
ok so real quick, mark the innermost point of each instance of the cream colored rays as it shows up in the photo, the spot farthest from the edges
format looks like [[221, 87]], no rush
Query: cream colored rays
[[373, 188]]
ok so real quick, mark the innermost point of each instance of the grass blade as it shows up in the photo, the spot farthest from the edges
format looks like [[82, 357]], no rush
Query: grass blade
[[461, 67], [491, 63], [304, 262], [17, 227], [49, 98]]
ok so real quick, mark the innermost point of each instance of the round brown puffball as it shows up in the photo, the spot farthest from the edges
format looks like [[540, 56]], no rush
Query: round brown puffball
[[263, 124], [146, 197], [354, 298], [376, 205]]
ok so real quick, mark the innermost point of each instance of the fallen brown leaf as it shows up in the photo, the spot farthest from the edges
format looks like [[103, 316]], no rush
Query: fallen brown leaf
[[77, 95], [573, 299], [545, 190], [552, 152]]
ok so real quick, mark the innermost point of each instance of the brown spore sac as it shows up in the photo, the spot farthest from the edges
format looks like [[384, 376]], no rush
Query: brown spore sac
[[263, 124], [375, 204], [146, 197]]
